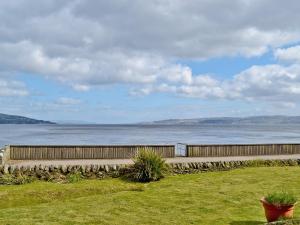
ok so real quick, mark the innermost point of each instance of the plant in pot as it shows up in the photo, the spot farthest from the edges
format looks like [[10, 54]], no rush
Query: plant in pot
[[279, 205]]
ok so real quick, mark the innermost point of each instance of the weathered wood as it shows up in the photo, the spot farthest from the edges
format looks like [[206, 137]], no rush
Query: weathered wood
[[55, 152], [241, 150]]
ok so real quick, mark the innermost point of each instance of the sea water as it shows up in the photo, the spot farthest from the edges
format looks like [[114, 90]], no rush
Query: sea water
[[148, 134]]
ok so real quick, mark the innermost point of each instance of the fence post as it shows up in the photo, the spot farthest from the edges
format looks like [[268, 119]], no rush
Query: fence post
[[6, 154]]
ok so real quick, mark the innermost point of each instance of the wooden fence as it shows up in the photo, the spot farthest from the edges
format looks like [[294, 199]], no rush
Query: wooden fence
[[64, 152], [241, 150], [55, 152]]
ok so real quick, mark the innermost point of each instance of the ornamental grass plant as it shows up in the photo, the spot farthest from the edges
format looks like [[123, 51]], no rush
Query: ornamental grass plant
[[148, 166]]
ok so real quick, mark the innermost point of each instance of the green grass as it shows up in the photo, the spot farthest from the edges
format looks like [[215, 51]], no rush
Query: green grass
[[281, 198], [228, 197]]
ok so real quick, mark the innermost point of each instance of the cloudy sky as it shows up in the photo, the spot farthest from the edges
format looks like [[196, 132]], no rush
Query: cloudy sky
[[123, 61]]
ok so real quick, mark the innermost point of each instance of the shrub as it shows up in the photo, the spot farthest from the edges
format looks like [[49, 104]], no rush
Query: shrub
[[281, 198], [74, 177], [148, 166], [9, 179]]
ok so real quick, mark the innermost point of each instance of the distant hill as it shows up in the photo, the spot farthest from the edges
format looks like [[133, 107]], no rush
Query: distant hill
[[12, 119], [231, 120]]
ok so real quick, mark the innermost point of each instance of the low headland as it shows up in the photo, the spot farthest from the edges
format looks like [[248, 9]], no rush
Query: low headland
[[14, 119]]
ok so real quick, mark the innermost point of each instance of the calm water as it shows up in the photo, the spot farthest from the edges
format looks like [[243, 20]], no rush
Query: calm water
[[147, 134]]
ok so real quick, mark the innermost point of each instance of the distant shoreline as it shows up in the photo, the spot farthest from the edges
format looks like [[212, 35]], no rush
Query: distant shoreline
[[250, 120]]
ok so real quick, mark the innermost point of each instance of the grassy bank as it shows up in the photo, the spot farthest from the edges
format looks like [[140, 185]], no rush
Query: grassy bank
[[228, 197]]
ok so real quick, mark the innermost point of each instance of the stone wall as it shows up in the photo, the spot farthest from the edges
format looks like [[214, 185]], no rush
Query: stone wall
[[49, 173], [185, 168]]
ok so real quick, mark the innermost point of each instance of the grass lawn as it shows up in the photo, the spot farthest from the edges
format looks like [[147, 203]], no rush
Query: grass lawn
[[228, 197]]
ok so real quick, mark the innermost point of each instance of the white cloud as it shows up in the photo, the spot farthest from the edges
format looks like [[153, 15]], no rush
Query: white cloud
[[276, 83], [285, 105], [87, 43], [12, 88], [176, 73], [146, 90], [269, 82], [291, 54], [68, 101], [80, 87]]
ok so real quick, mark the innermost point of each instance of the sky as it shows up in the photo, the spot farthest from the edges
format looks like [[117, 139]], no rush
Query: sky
[[125, 61]]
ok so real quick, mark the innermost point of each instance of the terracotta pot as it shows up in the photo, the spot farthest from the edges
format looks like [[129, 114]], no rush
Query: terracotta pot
[[274, 212]]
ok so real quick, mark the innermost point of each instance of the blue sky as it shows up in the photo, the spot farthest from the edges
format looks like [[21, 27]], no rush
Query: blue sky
[[131, 61]]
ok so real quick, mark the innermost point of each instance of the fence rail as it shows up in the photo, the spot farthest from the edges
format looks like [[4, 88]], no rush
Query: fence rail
[[241, 150], [55, 152]]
